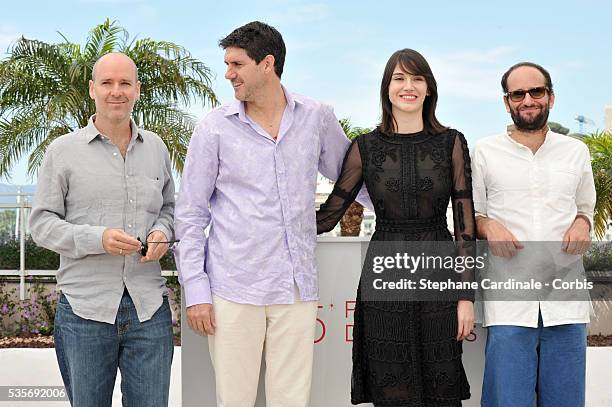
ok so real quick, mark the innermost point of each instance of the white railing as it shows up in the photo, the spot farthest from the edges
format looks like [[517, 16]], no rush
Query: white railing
[[22, 204], [22, 207]]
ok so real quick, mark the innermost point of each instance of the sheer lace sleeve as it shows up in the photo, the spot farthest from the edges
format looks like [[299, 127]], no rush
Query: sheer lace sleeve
[[344, 193], [463, 207]]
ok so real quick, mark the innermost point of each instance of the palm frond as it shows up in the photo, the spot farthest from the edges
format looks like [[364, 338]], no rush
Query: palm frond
[[352, 132], [42, 59], [19, 135], [104, 38], [168, 71], [44, 91], [600, 147], [32, 73], [174, 127], [69, 109], [37, 155]]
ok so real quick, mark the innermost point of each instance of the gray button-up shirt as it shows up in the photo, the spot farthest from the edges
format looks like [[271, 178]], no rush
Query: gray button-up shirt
[[84, 187]]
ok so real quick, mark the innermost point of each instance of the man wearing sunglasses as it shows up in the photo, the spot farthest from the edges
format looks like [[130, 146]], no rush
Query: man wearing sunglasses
[[100, 189], [533, 185]]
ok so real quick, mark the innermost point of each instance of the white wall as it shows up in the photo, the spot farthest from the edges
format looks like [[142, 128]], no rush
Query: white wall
[[339, 261]]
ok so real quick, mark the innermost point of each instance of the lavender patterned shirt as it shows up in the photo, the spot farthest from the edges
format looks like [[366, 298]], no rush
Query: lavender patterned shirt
[[258, 197]]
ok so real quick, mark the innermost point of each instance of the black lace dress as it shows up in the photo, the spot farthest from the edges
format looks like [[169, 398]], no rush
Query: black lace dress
[[405, 353]]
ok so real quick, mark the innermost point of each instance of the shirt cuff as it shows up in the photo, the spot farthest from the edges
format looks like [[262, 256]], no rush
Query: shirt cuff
[[466, 295], [197, 292], [161, 228], [89, 239], [364, 198], [588, 217]]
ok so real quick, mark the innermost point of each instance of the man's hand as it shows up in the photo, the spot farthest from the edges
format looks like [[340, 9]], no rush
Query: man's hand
[[118, 243], [465, 319], [577, 239], [201, 318], [155, 250], [501, 241]]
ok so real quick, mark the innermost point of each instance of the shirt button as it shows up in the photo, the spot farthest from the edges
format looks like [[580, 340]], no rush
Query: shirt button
[[115, 154]]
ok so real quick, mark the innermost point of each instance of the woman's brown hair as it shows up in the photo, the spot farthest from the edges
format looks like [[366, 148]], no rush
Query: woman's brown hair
[[413, 63]]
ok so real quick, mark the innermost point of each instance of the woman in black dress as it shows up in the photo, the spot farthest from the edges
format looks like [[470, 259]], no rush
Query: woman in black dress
[[408, 353]]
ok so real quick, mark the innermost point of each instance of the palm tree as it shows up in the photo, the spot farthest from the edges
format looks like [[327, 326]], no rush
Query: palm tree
[[350, 224], [600, 146], [44, 91]]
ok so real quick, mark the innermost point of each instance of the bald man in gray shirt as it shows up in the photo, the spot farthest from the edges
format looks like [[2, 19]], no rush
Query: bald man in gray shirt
[[103, 190]]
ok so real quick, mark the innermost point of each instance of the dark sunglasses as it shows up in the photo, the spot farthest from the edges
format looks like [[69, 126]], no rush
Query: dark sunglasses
[[535, 93], [144, 246]]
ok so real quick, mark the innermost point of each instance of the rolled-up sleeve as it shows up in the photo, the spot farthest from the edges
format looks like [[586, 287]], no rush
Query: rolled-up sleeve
[[585, 192], [47, 222]]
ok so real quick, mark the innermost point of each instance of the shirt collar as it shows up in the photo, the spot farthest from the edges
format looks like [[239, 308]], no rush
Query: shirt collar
[[91, 131], [511, 128], [237, 107]]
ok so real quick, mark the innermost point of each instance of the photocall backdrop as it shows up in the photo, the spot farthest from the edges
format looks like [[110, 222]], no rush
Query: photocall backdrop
[[339, 262]]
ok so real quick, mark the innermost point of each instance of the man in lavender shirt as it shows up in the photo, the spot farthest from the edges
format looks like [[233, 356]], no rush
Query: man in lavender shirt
[[250, 175]]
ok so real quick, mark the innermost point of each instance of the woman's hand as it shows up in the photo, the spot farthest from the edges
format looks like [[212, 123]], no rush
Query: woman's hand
[[465, 319]]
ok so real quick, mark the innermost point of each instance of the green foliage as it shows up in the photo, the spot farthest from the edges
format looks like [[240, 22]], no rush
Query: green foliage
[[167, 262], [32, 316], [600, 146], [36, 315], [44, 91], [39, 258], [174, 299], [598, 257], [8, 218], [558, 128], [352, 132], [8, 309], [38, 312]]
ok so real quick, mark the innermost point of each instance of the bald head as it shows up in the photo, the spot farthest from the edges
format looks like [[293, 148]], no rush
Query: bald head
[[114, 87], [114, 60]]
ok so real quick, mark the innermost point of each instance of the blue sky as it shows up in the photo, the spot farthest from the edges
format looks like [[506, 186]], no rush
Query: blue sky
[[336, 51]]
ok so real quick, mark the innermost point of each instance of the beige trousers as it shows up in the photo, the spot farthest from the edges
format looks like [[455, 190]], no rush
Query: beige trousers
[[285, 333]]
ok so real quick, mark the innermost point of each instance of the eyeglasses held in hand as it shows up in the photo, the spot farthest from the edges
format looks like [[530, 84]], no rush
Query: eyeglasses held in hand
[[144, 246], [519, 95]]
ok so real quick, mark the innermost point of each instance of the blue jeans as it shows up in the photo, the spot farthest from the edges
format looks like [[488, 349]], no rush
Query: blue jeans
[[89, 353], [543, 365]]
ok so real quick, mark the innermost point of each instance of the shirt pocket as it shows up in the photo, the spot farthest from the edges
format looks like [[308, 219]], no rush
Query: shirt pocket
[[562, 181], [151, 197], [562, 185]]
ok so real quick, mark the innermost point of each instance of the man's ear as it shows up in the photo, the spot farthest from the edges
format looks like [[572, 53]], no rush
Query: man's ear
[[269, 61], [506, 103], [551, 100]]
